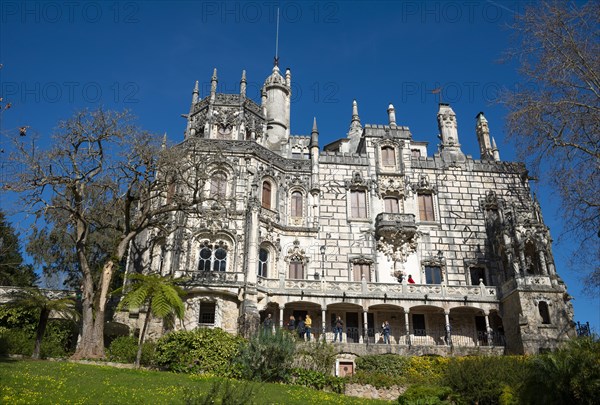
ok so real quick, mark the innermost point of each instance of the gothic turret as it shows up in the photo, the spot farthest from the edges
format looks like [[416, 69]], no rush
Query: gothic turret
[[391, 115], [355, 130], [213, 85], [314, 135], [450, 147], [243, 84], [483, 136], [189, 131], [195, 94], [276, 97]]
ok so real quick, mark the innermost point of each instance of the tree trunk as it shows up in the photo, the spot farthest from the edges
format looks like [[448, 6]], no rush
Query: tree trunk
[[91, 344], [138, 357], [41, 328]]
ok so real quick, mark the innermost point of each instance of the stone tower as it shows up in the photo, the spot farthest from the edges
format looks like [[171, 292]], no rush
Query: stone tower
[[276, 95]]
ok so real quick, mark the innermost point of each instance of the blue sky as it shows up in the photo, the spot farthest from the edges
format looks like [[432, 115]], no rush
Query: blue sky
[[145, 56]]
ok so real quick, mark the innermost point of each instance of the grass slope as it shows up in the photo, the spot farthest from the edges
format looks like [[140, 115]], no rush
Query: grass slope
[[46, 382]]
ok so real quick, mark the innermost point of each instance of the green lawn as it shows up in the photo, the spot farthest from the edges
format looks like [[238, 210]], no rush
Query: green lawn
[[47, 382]]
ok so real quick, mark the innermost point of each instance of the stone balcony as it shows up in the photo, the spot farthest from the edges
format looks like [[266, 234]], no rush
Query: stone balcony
[[344, 289], [384, 291], [392, 227]]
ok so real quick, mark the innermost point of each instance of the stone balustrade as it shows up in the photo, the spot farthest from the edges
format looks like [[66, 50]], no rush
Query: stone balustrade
[[345, 288]]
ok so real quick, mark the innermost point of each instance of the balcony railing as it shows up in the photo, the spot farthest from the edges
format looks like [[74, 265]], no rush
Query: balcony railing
[[344, 288], [376, 290], [390, 224], [417, 337], [218, 278]]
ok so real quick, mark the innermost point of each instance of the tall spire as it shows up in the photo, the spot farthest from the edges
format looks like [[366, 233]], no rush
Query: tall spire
[[355, 117], [355, 131], [276, 60], [314, 134], [213, 85], [495, 150], [483, 137], [195, 93], [243, 84]]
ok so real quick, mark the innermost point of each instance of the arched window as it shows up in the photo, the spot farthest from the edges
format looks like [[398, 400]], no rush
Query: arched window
[[205, 258], [544, 312], [388, 156], [266, 194], [296, 204], [218, 185], [220, 260], [263, 262], [213, 257]]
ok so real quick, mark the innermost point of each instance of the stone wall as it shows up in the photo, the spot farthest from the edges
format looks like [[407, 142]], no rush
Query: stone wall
[[368, 391]]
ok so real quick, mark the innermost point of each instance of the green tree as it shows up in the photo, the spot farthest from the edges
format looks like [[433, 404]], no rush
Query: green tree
[[554, 113], [570, 375], [102, 175], [160, 294], [41, 301], [12, 270]]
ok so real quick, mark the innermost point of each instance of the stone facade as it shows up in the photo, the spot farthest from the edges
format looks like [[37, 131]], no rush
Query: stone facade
[[291, 229]]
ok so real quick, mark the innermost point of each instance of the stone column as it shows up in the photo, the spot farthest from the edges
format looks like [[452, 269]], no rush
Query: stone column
[[281, 316], [252, 252], [407, 326], [249, 318], [543, 265], [323, 319], [365, 334], [490, 336], [448, 328]]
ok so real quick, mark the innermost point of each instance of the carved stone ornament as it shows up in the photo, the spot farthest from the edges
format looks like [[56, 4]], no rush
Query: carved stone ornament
[[361, 260], [424, 184], [294, 181], [225, 117], [398, 250], [390, 185], [215, 218], [357, 181], [490, 201], [296, 254]]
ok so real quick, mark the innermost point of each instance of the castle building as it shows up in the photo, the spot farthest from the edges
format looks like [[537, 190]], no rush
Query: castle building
[[292, 227]]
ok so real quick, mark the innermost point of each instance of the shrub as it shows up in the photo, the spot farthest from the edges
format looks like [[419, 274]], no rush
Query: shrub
[[391, 369], [390, 364], [59, 339], [482, 379], [317, 356], [569, 375], [268, 356], [18, 318], [18, 341], [425, 395], [124, 350], [426, 369], [199, 351], [316, 380]]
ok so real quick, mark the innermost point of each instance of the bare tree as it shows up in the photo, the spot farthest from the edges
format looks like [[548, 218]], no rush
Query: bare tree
[[104, 176], [554, 113]]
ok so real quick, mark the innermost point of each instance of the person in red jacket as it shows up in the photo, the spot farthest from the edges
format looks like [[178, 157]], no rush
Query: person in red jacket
[[410, 279]]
